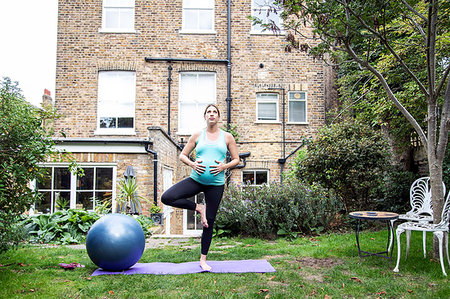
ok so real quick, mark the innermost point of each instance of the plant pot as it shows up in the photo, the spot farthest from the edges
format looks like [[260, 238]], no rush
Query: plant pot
[[157, 218]]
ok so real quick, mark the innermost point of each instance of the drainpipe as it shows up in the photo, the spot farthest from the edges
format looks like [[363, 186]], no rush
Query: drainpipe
[[169, 80], [228, 100], [155, 173]]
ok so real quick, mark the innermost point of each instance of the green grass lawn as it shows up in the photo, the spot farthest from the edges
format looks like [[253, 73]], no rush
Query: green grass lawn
[[318, 267]]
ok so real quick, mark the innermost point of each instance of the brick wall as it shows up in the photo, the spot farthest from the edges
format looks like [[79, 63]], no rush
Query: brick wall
[[83, 51]]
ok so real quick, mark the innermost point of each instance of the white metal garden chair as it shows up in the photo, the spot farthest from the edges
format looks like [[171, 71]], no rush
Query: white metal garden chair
[[421, 207], [440, 230]]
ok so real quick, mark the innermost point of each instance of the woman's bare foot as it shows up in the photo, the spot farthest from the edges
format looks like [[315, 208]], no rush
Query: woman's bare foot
[[202, 210], [203, 263]]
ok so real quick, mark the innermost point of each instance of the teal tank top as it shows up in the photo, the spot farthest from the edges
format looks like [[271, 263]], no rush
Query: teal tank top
[[208, 151]]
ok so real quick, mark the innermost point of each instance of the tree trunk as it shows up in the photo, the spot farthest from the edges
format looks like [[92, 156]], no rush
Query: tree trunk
[[437, 195]]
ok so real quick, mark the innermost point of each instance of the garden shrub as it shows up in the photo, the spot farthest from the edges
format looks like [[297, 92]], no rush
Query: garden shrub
[[355, 161], [277, 209], [23, 144], [62, 227], [67, 226]]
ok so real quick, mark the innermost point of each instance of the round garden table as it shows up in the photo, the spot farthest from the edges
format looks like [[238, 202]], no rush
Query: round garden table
[[371, 216]]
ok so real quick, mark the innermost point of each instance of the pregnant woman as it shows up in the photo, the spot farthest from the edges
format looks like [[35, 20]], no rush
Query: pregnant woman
[[207, 176]]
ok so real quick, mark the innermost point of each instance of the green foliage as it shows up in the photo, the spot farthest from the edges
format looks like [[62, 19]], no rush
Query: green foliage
[[128, 193], [67, 226], [232, 130], [270, 210], [146, 224], [154, 209], [23, 144], [353, 160], [62, 227]]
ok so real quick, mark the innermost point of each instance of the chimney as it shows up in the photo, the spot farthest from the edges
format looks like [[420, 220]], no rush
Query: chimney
[[47, 100]]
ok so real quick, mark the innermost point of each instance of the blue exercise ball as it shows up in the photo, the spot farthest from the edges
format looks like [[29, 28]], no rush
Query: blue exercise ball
[[115, 242]]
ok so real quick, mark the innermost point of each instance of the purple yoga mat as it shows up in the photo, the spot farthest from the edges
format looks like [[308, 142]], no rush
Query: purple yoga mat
[[243, 266]]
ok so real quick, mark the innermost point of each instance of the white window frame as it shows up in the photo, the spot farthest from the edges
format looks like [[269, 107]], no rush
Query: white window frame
[[114, 4], [305, 100], [197, 231], [207, 7], [260, 101], [132, 95], [73, 180], [199, 102], [254, 173], [260, 12]]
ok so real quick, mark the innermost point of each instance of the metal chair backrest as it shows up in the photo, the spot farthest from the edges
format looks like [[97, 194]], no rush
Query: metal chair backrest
[[420, 197]]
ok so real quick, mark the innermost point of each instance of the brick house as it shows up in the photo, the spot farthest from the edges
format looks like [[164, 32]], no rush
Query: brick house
[[133, 78]]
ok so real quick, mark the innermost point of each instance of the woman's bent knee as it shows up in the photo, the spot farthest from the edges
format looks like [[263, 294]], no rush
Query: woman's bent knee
[[166, 199]]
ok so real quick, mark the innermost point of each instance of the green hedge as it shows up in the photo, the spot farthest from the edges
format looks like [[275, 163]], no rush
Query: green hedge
[[277, 209]]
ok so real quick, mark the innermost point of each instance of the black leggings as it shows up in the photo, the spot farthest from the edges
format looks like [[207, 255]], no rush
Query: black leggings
[[176, 196]]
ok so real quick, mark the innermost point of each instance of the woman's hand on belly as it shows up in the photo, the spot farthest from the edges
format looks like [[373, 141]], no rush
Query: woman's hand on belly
[[216, 169], [198, 167]]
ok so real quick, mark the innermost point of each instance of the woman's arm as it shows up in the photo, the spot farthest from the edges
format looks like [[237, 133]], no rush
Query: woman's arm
[[184, 156]]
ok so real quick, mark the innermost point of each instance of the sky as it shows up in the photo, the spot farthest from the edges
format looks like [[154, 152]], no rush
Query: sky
[[28, 45]]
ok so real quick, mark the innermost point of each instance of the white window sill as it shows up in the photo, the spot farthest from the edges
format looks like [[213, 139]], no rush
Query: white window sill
[[268, 122], [203, 32], [122, 132], [297, 123], [116, 30]]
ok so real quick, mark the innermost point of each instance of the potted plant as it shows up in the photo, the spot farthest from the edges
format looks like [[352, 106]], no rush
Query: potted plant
[[127, 196], [155, 214]]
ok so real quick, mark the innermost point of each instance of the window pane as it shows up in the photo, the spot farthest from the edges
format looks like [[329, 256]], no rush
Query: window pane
[[107, 122], [205, 20], [85, 201], [62, 178], [86, 182], [261, 177], [248, 177], [116, 97], [127, 18], [111, 18], [104, 178], [43, 206], [46, 181], [297, 111], [61, 200], [267, 111], [191, 117], [126, 122], [188, 86], [190, 19], [196, 89]]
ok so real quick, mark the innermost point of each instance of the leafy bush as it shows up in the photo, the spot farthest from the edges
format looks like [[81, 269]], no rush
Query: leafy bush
[[352, 159], [61, 227], [23, 144], [68, 226], [146, 224], [276, 209]]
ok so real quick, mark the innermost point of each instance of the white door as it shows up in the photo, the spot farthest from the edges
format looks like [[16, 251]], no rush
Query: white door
[[167, 183]]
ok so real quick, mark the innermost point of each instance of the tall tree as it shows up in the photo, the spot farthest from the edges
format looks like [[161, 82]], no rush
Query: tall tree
[[367, 32]]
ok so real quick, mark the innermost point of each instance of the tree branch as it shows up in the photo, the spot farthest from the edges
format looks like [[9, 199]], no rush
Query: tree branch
[[443, 79], [387, 45], [413, 10], [390, 94], [445, 124]]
